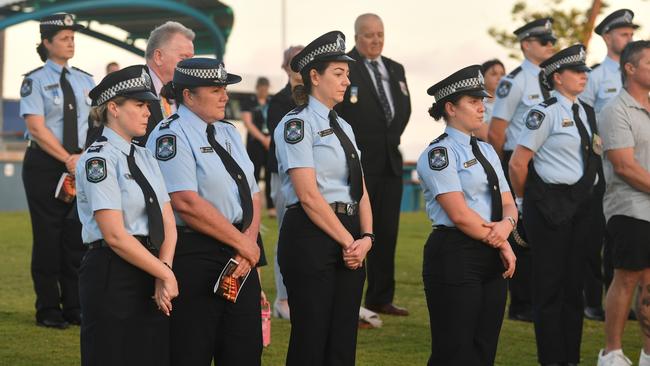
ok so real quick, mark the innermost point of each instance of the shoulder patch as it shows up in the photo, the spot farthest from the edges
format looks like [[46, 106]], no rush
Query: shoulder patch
[[297, 110], [438, 159], [32, 71], [294, 130], [514, 72], [534, 119], [165, 147], [438, 139], [26, 87], [96, 170], [504, 88], [165, 124], [548, 102], [81, 71]]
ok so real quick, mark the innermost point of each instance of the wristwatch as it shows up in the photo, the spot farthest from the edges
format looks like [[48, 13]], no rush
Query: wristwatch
[[369, 235]]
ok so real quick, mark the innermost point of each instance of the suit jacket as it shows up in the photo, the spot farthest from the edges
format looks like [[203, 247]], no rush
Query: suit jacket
[[94, 131], [155, 117], [377, 140]]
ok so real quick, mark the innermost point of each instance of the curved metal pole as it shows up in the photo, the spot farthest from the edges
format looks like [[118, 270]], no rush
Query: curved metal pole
[[72, 7]]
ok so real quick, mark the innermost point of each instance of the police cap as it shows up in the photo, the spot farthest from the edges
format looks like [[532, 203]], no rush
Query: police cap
[[56, 22], [328, 47], [203, 71], [466, 81], [618, 19], [539, 28], [572, 57], [131, 82]]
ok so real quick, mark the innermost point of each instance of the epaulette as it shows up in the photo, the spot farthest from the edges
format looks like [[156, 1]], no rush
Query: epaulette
[[80, 70], [95, 147], [438, 139], [165, 124], [548, 102], [297, 109], [227, 122], [514, 72], [33, 71], [594, 66]]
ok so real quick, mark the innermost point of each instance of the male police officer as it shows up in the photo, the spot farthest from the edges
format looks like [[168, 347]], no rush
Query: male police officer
[[378, 106], [516, 93]]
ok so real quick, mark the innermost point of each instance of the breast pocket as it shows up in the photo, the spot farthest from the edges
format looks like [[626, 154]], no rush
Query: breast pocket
[[607, 91], [531, 99]]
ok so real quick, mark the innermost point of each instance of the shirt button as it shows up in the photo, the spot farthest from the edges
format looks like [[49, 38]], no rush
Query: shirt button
[[150, 200], [239, 176]]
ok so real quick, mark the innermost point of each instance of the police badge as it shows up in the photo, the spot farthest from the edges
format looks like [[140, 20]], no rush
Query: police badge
[[504, 89], [96, 170], [534, 119], [26, 87], [438, 158], [165, 147], [294, 131]]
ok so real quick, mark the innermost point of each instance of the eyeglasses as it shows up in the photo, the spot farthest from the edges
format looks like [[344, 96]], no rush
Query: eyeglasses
[[544, 42]]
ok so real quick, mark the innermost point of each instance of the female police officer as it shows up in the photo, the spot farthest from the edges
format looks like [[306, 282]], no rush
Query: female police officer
[[54, 103], [556, 189], [327, 229], [216, 199], [129, 228], [469, 201]]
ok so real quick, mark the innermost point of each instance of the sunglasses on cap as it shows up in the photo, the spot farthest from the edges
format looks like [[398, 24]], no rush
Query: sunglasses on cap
[[544, 41]]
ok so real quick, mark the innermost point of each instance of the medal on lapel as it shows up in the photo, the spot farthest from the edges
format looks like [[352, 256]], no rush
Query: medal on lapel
[[354, 94]]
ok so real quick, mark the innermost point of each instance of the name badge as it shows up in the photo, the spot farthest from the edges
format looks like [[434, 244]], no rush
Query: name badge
[[354, 94], [533, 96], [597, 144], [567, 122], [206, 149], [51, 86], [611, 90], [469, 163], [326, 132]]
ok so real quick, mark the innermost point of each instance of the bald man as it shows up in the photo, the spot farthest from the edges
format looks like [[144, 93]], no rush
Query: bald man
[[378, 106]]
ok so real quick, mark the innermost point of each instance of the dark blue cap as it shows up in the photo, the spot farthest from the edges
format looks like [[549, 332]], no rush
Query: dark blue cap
[[618, 19], [466, 81], [572, 57], [539, 28], [57, 22], [203, 71], [131, 82], [328, 47]]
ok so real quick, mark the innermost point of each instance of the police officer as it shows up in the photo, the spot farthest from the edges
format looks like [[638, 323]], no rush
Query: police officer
[[327, 228], [556, 193], [604, 84], [216, 200], [55, 105], [516, 93], [468, 200], [128, 226]]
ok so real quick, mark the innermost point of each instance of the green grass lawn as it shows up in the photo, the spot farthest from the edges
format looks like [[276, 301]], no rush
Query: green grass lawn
[[402, 341]]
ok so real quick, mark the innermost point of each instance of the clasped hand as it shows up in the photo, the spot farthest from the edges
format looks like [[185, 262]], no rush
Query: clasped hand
[[355, 253], [498, 234]]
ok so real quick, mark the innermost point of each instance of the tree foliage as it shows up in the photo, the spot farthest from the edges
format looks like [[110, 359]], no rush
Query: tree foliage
[[571, 26]]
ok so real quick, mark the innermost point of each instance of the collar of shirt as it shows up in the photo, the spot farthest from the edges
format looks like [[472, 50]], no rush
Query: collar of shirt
[[157, 83], [319, 108], [565, 102], [458, 136], [56, 67], [117, 140], [610, 64], [530, 67], [630, 101], [190, 119]]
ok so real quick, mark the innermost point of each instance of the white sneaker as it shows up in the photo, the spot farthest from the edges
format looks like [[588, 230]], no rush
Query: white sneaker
[[613, 358], [644, 359]]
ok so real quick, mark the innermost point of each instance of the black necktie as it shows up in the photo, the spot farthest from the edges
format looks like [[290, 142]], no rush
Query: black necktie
[[237, 175], [383, 98], [545, 92], [354, 167], [70, 137], [154, 215], [493, 181], [584, 135]]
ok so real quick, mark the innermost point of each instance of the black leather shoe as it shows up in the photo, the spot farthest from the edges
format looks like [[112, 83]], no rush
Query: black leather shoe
[[631, 315], [52, 320], [522, 316], [595, 313], [73, 317]]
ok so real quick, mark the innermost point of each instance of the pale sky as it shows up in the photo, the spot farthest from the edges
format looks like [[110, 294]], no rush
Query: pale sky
[[430, 38]]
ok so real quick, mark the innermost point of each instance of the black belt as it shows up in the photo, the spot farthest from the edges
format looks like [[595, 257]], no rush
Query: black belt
[[348, 209], [445, 228], [101, 243], [189, 230], [33, 145]]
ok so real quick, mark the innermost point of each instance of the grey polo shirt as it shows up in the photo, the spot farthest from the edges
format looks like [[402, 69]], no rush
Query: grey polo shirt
[[624, 123]]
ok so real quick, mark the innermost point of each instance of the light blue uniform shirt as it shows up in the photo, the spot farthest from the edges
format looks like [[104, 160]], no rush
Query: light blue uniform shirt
[[189, 163], [104, 183], [552, 134], [603, 85], [304, 139], [41, 95], [516, 93], [449, 165]]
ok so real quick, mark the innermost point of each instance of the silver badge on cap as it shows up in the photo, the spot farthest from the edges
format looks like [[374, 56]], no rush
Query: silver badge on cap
[[67, 20], [628, 17], [481, 81], [340, 43], [548, 25], [582, 55], [221, 73], [146, 79]]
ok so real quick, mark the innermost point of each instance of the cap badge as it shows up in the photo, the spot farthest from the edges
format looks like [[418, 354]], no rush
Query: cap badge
[[582, 55], [67, 20], [628, 17], [481, 81], [548, 25], [146, 79], [340, 43]]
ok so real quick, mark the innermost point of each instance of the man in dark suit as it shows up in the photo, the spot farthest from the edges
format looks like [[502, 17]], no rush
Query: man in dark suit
[[378, 106]]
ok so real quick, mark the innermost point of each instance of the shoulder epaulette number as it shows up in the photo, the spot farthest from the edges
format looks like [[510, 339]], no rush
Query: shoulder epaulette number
[[165, 124]]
